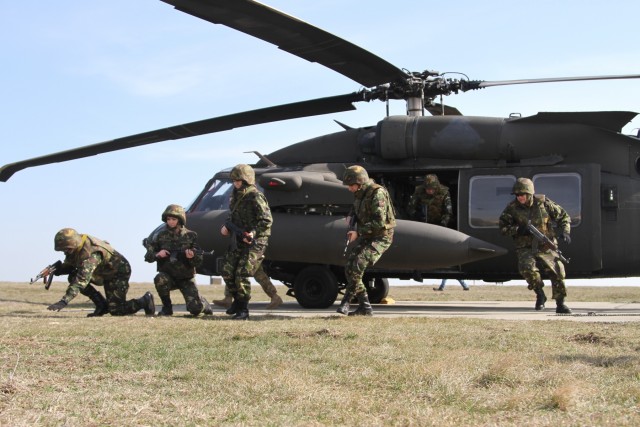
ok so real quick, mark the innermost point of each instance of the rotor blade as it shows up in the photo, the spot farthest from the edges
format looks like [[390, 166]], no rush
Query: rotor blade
[[296, 37], [312, 107], [481, 84]]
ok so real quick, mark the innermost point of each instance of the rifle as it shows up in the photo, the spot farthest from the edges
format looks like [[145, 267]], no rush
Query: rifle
[[175, 253], [238, 232], [353, 220], [546, 242], [48, 278]]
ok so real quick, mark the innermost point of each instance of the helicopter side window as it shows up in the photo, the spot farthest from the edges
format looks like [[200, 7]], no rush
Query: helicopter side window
[[488, 195], [216, 198], [564, 189]]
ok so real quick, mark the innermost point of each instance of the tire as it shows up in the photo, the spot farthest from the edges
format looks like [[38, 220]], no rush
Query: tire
[[315, 287], [379, 291]]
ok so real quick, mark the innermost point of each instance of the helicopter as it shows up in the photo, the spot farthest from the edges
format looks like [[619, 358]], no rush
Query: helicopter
[[479, 158]]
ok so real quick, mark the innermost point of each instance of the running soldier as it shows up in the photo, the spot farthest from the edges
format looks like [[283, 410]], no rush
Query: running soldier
[[374, 220], [250, 213], [543, 213]]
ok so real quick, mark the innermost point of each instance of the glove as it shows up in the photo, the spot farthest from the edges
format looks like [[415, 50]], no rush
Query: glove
[[57, 306], [523, 230], [566, 238]]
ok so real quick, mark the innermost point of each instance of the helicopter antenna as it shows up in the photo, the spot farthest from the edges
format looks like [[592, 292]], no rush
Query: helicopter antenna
[[263, 158]]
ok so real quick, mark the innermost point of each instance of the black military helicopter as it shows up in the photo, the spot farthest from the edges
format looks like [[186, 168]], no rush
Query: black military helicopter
[[579, 159]]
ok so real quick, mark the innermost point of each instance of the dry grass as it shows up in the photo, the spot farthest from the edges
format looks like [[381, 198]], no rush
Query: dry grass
[[66, 369]]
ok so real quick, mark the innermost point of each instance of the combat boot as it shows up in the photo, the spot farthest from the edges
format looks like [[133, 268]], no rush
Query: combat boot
[[541, 298], [344, 304], [102, 307], [167, 306], [275, 302], [147, 304], [561, 308], [234, 306], [242, 313], [226, 302], [207, 307], [364, 306]]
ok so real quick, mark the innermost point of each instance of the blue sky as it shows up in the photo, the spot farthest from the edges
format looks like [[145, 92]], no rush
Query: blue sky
[[76, 73]]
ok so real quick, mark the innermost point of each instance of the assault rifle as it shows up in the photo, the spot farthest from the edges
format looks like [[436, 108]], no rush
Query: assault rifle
[[175, 253], [239, 232], [48, 277], [353, 220], [545, 241]]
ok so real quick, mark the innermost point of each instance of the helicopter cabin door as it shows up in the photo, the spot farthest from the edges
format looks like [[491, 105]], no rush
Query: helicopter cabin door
[[484, 193]]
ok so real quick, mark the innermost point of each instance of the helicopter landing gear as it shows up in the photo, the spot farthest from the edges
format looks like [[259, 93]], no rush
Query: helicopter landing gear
[[315, 286], [378, 289]]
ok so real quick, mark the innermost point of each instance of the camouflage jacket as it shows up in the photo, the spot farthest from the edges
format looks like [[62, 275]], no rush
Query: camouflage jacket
[[374, 210], [543, 213], [433, 209], [250, 211], [94, 262], [175, 241]]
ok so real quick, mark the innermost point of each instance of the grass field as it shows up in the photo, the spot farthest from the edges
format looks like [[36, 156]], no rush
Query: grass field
[[66, 369]]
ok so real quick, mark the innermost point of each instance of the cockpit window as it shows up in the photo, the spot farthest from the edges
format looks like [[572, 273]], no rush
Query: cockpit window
[[216, 198]]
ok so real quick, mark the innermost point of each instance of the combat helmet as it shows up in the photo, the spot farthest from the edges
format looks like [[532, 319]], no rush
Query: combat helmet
[[431, 182], [243, 172], [67, 239], [523, 186], [175, 211], [355, 175]]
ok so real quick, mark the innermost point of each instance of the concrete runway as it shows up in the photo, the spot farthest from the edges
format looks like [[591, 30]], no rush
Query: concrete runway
[[505, 310]]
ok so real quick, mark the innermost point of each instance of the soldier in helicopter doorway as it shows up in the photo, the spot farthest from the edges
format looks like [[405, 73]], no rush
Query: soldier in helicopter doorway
[[542, 213]]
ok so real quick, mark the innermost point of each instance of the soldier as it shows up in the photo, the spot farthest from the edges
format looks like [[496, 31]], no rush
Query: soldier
[[176, 252], [431, 202], [91, 260], [375, 221], [250, 213], [542, 212], [263, 279]]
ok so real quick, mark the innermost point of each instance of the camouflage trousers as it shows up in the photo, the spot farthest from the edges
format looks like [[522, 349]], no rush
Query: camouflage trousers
[[240, 264], [263, 280], [187, 287], [115, 290], [530, 264], [364, 254]]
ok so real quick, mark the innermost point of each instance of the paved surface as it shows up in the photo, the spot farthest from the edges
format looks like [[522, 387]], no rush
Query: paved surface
[[510, 310]]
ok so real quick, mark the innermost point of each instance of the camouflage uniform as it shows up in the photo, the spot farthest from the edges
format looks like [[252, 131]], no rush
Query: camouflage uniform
[[543, 214], [90, 260], [249, 211], [433, 208], [374, 225], [265, 283], [177, 272]]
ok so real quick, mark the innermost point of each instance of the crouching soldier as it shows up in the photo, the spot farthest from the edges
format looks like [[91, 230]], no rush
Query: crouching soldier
[[89, 260], [177, 255]]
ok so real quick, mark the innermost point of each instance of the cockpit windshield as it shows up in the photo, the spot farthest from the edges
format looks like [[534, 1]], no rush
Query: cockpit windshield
[[216, 198]]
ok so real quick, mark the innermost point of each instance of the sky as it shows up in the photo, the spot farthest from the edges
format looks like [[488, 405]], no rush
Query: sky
[[77, 73]]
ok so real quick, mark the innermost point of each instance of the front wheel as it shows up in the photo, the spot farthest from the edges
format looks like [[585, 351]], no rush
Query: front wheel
[[315, 286], [378, 289]]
